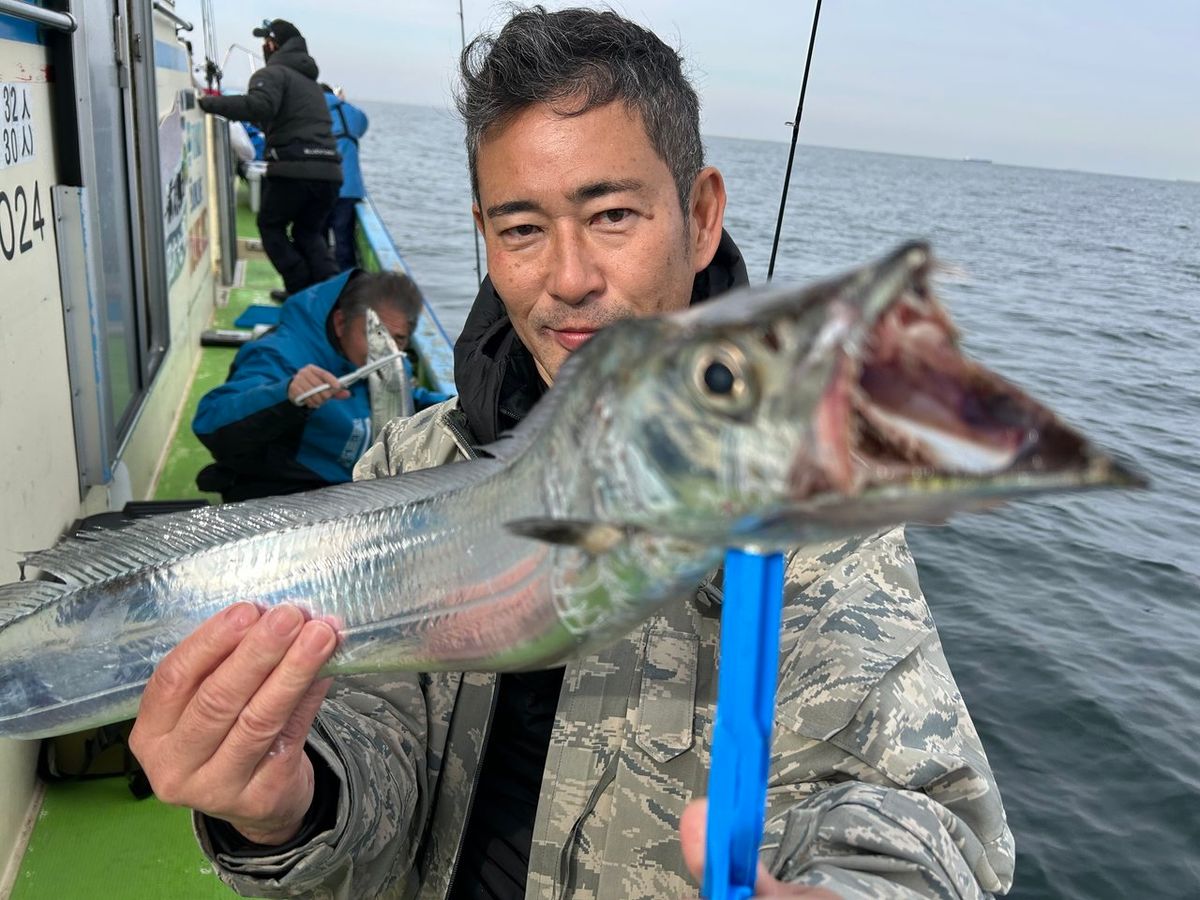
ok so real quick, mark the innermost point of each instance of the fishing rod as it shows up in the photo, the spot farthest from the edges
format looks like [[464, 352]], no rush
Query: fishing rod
[[795, 123], [462, 28]]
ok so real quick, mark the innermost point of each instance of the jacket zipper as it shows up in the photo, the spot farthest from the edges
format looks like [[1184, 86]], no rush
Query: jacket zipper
[[564, 858], [460, 435], [462, 833]]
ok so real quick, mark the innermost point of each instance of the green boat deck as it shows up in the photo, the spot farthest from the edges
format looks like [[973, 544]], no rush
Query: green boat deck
[[94, 838]]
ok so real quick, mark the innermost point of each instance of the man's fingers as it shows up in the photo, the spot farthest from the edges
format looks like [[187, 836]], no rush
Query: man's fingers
[[181, 671], [335, 392], [275, 719], [295, 732], [220, 700], [294, 736], [691, 837], [314, 376]]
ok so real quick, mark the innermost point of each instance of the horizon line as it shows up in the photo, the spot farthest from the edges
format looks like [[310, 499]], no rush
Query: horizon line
[[973, 159]]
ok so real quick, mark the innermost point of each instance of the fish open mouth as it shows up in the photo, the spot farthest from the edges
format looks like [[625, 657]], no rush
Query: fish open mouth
[[911, 405]]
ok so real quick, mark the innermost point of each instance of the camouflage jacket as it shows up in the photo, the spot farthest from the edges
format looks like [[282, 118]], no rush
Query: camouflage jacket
[[879, 786]]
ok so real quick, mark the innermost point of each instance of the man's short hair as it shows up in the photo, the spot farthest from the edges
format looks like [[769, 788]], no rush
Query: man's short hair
[[381, 290], [594, 57]]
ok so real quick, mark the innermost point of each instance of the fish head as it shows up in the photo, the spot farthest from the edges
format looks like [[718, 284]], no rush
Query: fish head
[[380, 342], [382, 345], [773, 416]]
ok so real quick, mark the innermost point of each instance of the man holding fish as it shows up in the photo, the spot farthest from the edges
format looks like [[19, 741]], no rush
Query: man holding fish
[[293, 415], [591, 193]]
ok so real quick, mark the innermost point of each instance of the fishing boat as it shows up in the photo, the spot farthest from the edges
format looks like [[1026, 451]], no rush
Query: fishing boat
[[123, 239]]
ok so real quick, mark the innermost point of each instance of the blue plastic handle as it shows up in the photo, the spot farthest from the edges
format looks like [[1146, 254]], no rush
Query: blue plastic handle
[[737, 782]]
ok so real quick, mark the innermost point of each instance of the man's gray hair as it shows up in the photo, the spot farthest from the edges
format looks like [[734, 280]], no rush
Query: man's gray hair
[[590, 56], [381, 290]]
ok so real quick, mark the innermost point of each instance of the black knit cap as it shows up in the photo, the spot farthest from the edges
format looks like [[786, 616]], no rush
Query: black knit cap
[[278, 30]]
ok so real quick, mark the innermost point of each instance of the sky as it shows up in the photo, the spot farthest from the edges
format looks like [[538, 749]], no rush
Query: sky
[[1094, 85]]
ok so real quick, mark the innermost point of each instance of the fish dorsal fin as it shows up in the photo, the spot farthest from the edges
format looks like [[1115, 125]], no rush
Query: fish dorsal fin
[[592, 537], [24, 598], [93, 556]]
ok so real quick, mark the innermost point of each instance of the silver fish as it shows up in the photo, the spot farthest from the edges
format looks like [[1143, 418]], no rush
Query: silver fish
[[389, 387], [766, 419]]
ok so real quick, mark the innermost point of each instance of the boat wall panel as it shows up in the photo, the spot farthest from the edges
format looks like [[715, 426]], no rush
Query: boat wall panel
[[182, 163], [39, 492], [101, 86], [83, 320], [18, 761]]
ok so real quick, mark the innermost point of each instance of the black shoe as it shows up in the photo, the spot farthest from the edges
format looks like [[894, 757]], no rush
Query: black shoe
[[279, 296]]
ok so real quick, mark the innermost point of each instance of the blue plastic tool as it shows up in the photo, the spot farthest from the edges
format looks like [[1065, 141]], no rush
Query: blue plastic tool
[[737, 782]]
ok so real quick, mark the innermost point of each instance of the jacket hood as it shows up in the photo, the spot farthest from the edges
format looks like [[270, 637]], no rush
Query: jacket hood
[[305, 316], [495, 374], [294, 55]]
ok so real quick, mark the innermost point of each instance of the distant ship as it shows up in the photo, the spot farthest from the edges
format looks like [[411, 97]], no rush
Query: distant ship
[[975, 159]]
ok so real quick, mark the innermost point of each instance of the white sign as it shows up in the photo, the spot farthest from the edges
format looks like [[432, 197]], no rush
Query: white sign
[[16, 125]]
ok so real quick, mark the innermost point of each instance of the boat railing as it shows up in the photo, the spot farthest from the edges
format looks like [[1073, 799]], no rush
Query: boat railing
[[60, 21], [378, 252], [173, 16]]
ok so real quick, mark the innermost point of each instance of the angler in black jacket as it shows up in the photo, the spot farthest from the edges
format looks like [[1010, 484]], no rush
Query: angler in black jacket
[[304, 170]]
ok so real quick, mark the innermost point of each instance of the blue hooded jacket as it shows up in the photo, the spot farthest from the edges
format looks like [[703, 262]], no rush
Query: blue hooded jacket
[[349, 124], [263, 444]]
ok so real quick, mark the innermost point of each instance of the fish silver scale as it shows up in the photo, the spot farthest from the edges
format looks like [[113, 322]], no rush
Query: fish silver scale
[[435, 584]]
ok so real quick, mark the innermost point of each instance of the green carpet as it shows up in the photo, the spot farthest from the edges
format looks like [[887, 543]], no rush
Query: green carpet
[[94, 839], [187, 455], [240, 298], [261, 274], [247, 221]]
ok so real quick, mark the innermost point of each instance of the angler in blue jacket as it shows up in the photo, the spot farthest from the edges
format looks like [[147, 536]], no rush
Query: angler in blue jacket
[[349, 124], [264, 444]]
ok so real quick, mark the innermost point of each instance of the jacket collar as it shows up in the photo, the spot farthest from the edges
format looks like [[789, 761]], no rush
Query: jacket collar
[[496, 378]]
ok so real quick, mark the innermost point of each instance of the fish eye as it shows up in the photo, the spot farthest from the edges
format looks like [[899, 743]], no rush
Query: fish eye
[[718, 379], [723, 381]]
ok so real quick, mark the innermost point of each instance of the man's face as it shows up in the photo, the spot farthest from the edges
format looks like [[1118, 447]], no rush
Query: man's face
[[583, 226], [352, 333]]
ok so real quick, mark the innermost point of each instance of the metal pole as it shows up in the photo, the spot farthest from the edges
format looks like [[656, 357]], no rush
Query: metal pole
[[60, 21], [226, 198], [173, 16], [812, 40]]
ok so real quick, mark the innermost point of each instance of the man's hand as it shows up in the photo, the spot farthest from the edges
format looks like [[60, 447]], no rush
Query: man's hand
[[691, 837], [224, 719], [313, 376]]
